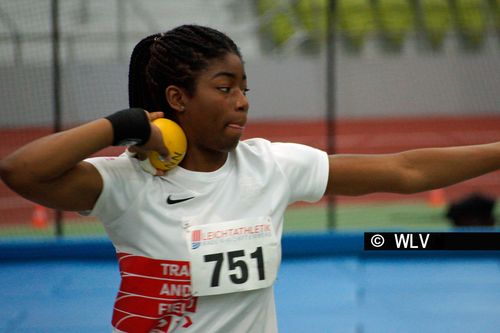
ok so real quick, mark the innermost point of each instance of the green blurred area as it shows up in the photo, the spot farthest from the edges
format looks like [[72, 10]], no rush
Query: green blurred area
[[312, 218], [367, 217], [392, 21]]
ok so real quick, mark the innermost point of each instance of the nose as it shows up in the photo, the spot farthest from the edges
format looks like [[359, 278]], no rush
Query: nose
[[242, 102]]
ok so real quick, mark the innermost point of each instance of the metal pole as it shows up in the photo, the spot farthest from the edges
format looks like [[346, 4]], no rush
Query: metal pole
[[121, 38], [56, 88], [330, 98], [16, 35]]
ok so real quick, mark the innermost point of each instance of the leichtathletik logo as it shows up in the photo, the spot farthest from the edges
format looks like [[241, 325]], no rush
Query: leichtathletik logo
[[195, 239]]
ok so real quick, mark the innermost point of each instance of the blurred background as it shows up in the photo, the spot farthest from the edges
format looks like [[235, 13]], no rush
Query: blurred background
[[346, 76]]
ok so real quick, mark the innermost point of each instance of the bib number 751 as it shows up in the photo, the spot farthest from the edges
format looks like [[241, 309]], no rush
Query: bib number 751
[[238, 262], [232, 256]]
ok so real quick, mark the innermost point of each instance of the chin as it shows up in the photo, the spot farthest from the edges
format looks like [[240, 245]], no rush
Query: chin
[[230, 146]]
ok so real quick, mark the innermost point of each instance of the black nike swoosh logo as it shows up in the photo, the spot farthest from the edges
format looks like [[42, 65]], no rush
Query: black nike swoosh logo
[[171, 201]]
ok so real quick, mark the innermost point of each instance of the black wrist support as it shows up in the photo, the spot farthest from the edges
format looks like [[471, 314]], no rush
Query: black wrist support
[[130, 127]]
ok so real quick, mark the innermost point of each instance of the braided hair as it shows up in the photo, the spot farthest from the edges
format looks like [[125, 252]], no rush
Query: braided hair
[[173, 58]]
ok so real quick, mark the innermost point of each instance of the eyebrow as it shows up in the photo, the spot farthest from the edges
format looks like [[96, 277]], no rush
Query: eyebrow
[[229, 74]]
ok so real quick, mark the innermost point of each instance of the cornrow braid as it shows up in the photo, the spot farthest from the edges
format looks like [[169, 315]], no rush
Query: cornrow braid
[[138, 97], [175, 57]]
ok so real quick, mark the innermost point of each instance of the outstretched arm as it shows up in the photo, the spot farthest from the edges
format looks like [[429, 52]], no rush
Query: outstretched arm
[[410, 171], [51, 171]]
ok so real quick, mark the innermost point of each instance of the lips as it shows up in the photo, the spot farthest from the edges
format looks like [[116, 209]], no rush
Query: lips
[[236, 126]]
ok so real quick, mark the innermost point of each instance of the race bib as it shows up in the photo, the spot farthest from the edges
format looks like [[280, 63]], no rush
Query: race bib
[[232, 256]]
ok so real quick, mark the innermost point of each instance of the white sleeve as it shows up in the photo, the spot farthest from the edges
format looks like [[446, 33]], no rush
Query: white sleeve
[[123, 181], [306, 169]]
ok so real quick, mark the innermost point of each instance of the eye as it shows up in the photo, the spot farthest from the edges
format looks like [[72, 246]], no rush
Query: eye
[[245, 91], [225, 90]]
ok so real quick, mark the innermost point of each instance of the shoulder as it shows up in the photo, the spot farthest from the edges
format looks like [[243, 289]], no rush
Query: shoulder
[[303, 168], [260, 152], [255, 144], [278, 150], [262, 146], [256, 151], [123, 181], [121, 166]]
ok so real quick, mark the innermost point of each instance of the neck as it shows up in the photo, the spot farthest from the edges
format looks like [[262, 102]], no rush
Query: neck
[[203, 160]]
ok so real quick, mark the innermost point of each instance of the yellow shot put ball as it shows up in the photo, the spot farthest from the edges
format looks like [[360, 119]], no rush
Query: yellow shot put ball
[[175, 141]]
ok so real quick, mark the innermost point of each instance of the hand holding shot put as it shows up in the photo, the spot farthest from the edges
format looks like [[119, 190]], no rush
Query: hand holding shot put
[[155, 141], [165, 148]]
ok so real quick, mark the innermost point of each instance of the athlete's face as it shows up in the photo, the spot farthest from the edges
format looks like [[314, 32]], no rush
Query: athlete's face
[[216, 114]]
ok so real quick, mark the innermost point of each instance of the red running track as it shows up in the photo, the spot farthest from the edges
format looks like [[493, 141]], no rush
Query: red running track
[[362, 136]]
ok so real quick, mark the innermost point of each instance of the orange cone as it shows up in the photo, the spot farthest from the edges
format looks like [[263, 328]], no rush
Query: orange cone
[[40, 217], [437, 198]]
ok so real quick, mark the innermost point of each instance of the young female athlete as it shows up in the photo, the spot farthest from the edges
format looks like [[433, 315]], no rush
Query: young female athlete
[[199, 246]]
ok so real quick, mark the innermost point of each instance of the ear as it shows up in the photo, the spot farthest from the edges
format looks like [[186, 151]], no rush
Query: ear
[[175, 98]]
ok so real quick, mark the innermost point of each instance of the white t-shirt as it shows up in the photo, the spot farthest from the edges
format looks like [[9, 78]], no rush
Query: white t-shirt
[[157, 225]]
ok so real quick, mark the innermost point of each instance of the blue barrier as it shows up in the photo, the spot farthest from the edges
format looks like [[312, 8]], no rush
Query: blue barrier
[[293, 246]]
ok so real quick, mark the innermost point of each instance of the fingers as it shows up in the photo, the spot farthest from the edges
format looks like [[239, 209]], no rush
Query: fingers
[[160, 173], [165, 156], [149, 168], [155, 115], [138, 152], [157, 144], [142, 152]]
